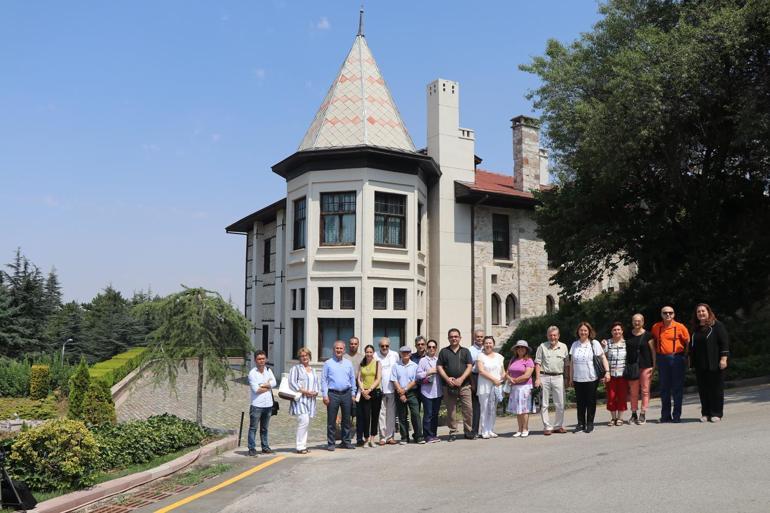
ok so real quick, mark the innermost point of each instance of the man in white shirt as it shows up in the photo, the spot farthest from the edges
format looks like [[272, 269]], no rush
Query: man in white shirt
[[476, 349], [387, 421], [261, 383]]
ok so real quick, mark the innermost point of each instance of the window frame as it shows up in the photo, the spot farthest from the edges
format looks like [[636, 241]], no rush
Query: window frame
[[300, 223], [379, 199], [267, 252], [397, 304], [337, 321], [501, 239], [340, 215], [375, 303], [350, 302], [323, 300]]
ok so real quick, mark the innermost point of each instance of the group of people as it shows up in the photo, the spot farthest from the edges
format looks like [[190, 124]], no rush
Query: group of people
[[377, 386]]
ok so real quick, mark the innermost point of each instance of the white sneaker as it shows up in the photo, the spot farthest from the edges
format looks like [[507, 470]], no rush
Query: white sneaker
[[524, 434], [492, 435], [485, 436], [716, 419], [517, 434]]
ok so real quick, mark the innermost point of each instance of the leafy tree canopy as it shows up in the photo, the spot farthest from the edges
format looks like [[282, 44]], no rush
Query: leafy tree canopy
[[659, 124]]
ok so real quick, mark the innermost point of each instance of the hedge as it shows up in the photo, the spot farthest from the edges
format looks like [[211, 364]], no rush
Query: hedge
[[26, 408], [118, 367]]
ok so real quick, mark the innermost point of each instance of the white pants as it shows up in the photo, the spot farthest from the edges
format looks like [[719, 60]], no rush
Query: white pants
[[303, 425], [387, 421], [553, 386], [488, 412]]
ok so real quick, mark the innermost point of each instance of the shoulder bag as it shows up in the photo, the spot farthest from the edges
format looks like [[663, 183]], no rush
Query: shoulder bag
[[631, 371], [285, 391], [598, 363]]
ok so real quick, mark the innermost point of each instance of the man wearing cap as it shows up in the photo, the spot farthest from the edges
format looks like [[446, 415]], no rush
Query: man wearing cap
[[454, 366], [476, 349], [387, 422], [551, 360], [671, 340], [404, 379]]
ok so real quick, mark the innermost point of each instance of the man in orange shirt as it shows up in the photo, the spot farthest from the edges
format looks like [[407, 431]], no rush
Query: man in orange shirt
[[671, 340]]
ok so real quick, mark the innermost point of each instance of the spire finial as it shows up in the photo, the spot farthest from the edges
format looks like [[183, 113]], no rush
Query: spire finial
[[361, 21]]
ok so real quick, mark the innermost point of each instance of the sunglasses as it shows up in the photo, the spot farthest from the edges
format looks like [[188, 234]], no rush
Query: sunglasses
[[667, 313], [384, 347], [432, 347]]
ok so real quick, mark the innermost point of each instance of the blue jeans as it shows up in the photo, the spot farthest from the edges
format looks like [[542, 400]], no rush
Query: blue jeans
[[337, 401], [262, 416], [430, 416], [671, 369]]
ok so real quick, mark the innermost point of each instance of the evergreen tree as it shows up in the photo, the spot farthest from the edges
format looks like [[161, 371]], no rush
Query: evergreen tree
[[78, 386], [11, 342], [66, 323], [108, 327], [25, 286], [197, 325], [52, 293]]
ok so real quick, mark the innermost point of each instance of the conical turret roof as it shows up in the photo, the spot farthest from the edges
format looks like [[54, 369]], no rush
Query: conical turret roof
[[358, 110]]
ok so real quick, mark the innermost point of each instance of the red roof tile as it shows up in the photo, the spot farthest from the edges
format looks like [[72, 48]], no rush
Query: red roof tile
[[488, 181]]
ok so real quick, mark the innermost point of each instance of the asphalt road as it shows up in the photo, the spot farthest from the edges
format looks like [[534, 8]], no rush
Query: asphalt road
[[656, 467]]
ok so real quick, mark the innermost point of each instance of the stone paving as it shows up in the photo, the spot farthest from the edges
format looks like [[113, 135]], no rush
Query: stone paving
[[146, 398]]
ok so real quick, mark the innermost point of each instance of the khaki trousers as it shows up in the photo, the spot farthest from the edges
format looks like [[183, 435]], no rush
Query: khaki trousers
[[466, 403], [552, 387]]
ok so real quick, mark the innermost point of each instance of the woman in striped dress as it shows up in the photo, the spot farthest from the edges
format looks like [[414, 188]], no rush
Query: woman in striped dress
[[617, 388], [304, 379]]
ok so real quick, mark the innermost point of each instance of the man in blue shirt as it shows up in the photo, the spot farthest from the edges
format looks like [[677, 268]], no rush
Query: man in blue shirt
[[404, 378], [338, 386]]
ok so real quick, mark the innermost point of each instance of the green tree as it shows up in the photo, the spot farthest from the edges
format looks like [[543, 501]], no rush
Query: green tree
[[78, 386], [659, 124], [52, 293], [108, 327], [25, 287], [98, 406], [11, 341], [196, 325]]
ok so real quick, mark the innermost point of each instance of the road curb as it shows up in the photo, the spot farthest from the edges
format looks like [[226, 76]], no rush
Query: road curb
[[81, 498]]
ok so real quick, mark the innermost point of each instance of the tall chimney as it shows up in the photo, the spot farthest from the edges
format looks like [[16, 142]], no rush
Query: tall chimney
[[526, 153]]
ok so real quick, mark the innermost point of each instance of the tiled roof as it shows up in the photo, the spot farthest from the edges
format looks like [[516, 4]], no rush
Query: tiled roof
[[487, 181], [358, 110]]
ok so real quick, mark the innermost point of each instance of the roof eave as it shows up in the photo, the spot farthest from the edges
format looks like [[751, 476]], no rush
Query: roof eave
[[464, 193], [266, 214]]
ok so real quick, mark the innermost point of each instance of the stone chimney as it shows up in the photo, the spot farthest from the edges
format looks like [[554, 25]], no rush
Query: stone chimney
[[526, 153]]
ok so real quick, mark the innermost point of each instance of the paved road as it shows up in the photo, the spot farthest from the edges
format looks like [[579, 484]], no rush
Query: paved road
[[657, 467]]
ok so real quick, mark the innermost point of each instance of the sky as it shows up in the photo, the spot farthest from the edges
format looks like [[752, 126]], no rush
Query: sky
[[132, 133]]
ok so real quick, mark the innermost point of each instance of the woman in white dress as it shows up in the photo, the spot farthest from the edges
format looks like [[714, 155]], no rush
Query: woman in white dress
[[491, 374], [304, 380]]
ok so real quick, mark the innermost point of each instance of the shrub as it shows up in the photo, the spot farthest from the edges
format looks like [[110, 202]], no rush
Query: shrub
[[59, 455], [26, 408], [118, 367], [140, 441], [14, 378], [39, 381], [78, 386], [98, 407]]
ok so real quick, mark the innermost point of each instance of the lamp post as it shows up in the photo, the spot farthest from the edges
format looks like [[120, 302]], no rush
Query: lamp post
[[63, 346]]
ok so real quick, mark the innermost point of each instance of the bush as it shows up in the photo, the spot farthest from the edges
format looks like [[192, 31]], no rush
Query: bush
[[140, 441], [78, 386], [39, 381], [27, 408], [118, 367], [14, 378], [98, 407], [59, 455]]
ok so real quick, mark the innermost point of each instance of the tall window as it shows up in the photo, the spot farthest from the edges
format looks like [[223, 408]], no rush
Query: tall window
[[266, 339], [297, 335], [331, 330], [501, 241], [399, 299], [394, 329], [347, 298], [325, 298], [268, 251], [389, 219], [380, 298], [300, 216], [550, 304], [419, 227], [338, 218], [510, 309], [302, 298], [293, 299], [495, 309]]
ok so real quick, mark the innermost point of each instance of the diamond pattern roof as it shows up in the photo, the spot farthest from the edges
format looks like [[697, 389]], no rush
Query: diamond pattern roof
[[358, 109]]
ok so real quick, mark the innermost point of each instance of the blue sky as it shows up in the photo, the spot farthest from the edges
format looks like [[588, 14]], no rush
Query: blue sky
[[132, 133]]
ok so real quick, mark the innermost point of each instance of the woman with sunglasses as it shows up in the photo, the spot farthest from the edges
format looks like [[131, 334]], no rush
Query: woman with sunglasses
[[368, 410], [430, 388]]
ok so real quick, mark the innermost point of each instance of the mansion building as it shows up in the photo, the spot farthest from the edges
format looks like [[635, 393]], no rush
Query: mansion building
[[378, 238]]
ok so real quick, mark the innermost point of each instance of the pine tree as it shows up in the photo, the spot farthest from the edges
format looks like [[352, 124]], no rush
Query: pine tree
[[65, 323], [108, 327], [52, 293], [78, 386]]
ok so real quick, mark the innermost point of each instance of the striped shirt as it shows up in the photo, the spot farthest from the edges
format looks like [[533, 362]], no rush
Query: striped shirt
[[299, 379], [616, 356]]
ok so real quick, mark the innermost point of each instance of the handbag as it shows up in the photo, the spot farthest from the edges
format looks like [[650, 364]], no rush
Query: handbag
[[598, 363], [275, 409], [285, 391], [631, 371]]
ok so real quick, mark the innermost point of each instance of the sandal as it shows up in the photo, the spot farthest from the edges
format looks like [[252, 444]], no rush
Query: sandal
[[611, 423], [619, 422]]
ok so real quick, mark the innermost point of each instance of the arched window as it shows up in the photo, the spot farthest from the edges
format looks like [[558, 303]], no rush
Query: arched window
[[495, 309], [510, 309], [550, 304]]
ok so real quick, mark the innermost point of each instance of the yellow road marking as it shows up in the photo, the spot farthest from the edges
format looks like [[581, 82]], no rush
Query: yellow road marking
[[221, 485]]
